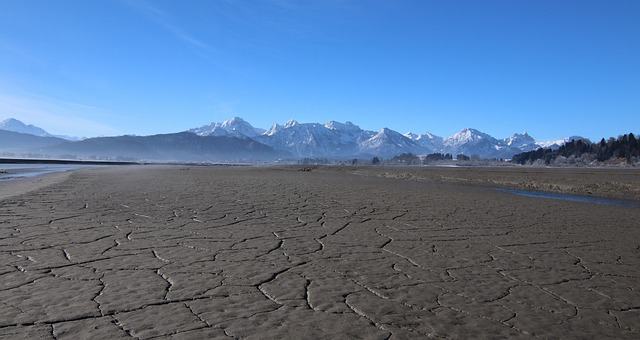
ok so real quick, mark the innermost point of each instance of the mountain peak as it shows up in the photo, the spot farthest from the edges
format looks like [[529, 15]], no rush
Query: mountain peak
[[347, 126], [470, 130], [234, 120], [12, 121], [274, 129], [346, 140], [468, 134], [235, 126], [15, 125], [520, 140], [291, 123], [412, 135], [522, 135]]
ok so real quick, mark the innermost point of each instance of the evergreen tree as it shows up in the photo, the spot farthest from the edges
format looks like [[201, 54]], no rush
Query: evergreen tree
[[625, 147]]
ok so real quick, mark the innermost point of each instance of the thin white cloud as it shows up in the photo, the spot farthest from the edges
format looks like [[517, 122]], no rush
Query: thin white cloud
[[55, 116], [186, 36], [165, 20]]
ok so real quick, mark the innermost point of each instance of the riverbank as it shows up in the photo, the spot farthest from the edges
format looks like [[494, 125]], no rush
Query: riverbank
[[620, 183]]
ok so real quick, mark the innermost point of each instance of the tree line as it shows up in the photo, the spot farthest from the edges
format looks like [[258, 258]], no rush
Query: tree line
[[624, 148], [412, 159]]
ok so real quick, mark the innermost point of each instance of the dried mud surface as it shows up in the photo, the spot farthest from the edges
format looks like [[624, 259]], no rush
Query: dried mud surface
[[255, 253]]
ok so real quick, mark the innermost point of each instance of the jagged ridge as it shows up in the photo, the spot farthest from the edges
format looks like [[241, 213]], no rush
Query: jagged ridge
[[338, 140], [331, 140]]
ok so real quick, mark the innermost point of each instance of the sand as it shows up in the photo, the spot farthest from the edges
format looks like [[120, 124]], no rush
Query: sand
[[256, 253]]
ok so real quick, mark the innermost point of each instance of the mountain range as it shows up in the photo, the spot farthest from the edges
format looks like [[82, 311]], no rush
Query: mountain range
[[237, 140], [339, 140]]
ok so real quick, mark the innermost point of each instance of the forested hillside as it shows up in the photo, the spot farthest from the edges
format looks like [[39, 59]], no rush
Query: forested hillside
[[625, 148]]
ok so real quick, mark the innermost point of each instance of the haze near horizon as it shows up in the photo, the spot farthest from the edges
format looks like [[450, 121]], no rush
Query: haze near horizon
[[550, 68]]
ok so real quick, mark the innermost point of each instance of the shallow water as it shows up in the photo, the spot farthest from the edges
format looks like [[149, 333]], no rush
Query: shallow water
[[575, 198], [16, 171]]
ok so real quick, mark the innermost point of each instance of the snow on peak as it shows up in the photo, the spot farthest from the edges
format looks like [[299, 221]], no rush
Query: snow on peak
[[412, 135], [15, 125], [427, 140], [466, 136], [337, 139], [238, 126], [388, 143], [235, 126], [424, 136], [345, 127], [386, 132], [470, 133], [291, 123], [273, 130], [233, 122], [555, 144], [12, 122], [520, 140], [386, 135]]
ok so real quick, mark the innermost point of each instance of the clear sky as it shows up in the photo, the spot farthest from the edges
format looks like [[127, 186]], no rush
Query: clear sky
[[553, 68]]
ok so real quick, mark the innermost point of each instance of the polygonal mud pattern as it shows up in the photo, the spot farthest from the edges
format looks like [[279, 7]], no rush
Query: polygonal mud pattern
[[216, 252]]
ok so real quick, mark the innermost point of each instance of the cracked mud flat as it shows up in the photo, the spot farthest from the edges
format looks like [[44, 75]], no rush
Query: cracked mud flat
[[255, 253]]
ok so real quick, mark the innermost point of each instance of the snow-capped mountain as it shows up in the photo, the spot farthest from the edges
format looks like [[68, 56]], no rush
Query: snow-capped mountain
[[427, 140], [388, 143], [236, 127], [473, 142], [307, 140], [556, 144], [349, 132], [521, 141], [467, 137], [336, 139], [345, 140], [15, 125]]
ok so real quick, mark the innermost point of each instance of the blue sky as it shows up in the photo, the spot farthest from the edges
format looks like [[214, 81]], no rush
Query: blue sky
[[111, 67]]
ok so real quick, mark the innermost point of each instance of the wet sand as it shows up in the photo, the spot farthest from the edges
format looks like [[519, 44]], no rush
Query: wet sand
[[255, 253], [14, 187]]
